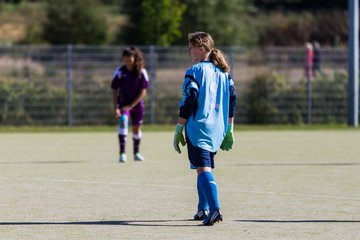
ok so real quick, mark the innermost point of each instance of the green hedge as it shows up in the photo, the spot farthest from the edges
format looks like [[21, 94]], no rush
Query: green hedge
[[270, 98], [273, 99], [31, 102]]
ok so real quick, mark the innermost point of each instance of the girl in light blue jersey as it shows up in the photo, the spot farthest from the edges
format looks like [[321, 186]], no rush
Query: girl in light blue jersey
[[207, 112]]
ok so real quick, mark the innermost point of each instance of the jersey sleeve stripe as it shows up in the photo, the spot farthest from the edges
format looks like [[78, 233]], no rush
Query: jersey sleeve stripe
[[192, 79], [144, 72], [190, 76]]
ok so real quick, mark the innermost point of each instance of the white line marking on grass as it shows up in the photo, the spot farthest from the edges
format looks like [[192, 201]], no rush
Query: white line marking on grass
[[93, 182], [355, 198]]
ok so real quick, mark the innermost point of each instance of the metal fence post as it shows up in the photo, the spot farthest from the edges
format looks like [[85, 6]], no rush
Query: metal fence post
[[69, 85], [308, 97], [152, 72], [308, 69], [232, 61], [353, 53]]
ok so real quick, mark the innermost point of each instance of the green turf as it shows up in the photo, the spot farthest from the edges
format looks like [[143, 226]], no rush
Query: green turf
[[289, 184], [157, 128]]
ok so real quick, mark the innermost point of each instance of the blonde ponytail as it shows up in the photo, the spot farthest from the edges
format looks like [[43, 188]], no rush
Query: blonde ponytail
[[203, 39], [217, 58]]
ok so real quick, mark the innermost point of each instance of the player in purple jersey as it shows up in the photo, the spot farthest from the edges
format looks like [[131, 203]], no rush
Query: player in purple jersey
[[129, 85]]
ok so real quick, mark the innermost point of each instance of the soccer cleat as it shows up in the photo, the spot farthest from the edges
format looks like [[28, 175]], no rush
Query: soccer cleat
[[212, 218], [138, 157], [122, 157], [201, 214]]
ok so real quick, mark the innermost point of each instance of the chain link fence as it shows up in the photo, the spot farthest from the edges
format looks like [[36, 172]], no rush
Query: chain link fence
[[70, 85]]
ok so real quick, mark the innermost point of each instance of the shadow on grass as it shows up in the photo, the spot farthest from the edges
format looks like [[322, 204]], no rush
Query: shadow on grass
[[294, 164], [298, 221], [140, 223], [42, 162]]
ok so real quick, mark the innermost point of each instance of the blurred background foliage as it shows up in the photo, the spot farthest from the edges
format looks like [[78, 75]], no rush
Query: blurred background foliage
[[167, 22], [271, 99], [268, 97]]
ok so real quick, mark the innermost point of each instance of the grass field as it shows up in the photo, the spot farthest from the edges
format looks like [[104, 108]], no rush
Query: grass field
[[273, 185]]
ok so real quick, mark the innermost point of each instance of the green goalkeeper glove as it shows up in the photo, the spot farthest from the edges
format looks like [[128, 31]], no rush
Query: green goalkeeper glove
[[228, 141], [179, 137]]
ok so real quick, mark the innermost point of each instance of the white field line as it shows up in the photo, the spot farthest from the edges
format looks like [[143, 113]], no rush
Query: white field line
[[355, 198]]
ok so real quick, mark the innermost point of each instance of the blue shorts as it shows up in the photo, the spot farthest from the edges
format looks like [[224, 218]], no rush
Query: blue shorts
[[199, 157]]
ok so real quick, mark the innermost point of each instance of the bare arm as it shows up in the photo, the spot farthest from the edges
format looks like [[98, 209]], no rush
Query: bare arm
[[231, 120], [114, 98], [181, 121]]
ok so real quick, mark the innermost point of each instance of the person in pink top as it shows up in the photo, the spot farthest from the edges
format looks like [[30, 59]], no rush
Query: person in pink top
[[309, 60]]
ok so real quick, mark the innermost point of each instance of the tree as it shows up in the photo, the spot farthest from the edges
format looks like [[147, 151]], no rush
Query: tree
[[74, 22], [129, 34], [300, 5], [151, 22], [161, 21], [224, 20]]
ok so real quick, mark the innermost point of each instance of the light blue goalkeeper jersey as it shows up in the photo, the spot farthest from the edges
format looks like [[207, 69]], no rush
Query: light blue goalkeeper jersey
[[206, 127]]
